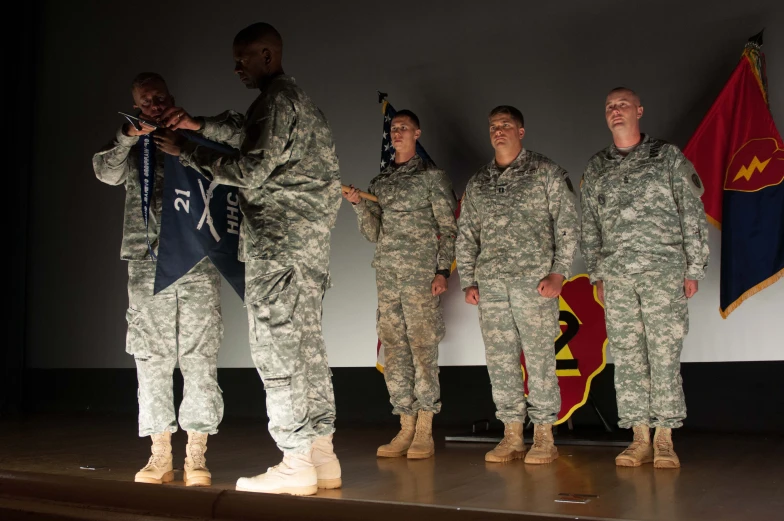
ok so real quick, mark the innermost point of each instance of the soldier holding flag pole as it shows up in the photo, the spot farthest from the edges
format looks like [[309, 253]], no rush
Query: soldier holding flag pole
[[412, 223]]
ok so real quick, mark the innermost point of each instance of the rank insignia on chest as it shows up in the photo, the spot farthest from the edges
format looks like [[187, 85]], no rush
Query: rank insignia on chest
[[601, 199], [501, 189]]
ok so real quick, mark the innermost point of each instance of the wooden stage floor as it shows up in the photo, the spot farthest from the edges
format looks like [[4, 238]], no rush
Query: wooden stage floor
[[724, 477]]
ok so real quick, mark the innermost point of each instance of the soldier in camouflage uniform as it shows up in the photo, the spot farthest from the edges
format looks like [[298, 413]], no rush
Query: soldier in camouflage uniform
[[180, 324], [518, 236], [287, 171], [645, 243], [413, 226]]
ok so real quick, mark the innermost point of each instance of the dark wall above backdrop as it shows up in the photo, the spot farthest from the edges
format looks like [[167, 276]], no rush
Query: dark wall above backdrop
[[449, 61]]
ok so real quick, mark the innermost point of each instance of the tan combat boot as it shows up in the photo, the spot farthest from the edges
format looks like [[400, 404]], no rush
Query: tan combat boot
[[664, 456], [543, 449], [640, 451], [159, 468], [295, 475], [423, 447], [195, 472], [400, 443], [326, 463], [511, 447]]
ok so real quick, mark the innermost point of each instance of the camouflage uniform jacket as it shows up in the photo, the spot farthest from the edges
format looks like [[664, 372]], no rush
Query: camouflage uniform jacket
[[520, 222], [643, 213], [287, 171], [118, 163], [413, 224]]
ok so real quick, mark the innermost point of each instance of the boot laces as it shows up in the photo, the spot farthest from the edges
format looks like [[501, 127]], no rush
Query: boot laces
[[195, 451], [155, 461], [539, 438], [664, 446]]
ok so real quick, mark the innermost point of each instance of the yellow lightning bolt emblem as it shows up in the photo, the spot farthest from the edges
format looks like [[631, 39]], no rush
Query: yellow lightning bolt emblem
[[748, 171]]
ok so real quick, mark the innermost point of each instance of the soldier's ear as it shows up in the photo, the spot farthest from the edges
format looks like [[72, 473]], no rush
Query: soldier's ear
[[639, 112], [521, 132], [417, 133]]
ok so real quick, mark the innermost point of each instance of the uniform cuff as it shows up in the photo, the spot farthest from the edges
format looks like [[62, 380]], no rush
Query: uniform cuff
[[126, 141], [695, 272], [467, 283], [560, 269]]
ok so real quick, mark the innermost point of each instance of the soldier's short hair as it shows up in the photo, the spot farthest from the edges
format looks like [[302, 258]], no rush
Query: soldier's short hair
[[257, 32], [145, 77], [410, 115], [509, 111], [630, 91]]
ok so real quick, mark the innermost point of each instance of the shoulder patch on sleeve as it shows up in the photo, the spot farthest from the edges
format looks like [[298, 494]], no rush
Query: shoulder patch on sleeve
[[696, 185]]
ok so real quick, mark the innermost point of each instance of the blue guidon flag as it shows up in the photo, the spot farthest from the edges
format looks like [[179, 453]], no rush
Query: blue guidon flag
[[200, 219]]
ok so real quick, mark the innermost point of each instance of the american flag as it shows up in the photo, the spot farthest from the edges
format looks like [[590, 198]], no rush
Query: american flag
[[387, 152]]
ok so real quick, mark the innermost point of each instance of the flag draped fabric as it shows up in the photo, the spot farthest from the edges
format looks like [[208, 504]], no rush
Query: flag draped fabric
[[739, 155], [200, 219]]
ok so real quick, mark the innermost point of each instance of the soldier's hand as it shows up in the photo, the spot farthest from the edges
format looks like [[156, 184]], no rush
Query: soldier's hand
[[352, 195], [130, 131], [439, 285], [472, 295], [169, 142], [600, 291], [551, 285], [690, 287], [176, 118]]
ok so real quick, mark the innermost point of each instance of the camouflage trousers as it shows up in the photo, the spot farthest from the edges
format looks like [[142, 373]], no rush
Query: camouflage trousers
[[410, 326], [647, 319], [180, 324], [513, 317], [284, 306]]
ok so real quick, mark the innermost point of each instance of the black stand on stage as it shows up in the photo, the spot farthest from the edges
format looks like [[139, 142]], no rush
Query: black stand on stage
[[606, 437]]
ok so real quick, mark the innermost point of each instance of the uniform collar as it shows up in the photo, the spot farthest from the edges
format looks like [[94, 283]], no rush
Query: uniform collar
[[518, 161], [412, 164], [642, 147]]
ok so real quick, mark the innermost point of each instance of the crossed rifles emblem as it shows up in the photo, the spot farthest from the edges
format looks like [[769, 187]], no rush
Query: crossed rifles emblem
[[206, 216]]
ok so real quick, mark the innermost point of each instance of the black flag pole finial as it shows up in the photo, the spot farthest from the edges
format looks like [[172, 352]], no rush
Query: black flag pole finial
[[381, 96], [757, 38]]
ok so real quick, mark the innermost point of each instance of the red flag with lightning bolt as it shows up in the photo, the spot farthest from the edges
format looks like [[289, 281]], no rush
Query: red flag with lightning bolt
[[739, 155]]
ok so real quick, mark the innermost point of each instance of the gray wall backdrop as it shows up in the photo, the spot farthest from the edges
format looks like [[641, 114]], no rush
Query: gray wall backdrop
[[448, 61]]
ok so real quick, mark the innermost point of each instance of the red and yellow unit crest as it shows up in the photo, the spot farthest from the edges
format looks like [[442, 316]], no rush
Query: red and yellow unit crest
[[758, 164], [581, 348]]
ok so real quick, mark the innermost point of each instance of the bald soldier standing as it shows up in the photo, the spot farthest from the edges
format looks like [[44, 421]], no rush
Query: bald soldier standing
[[181, 323], [287, 171], [413, 226], [518, 233], [645, 243]]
